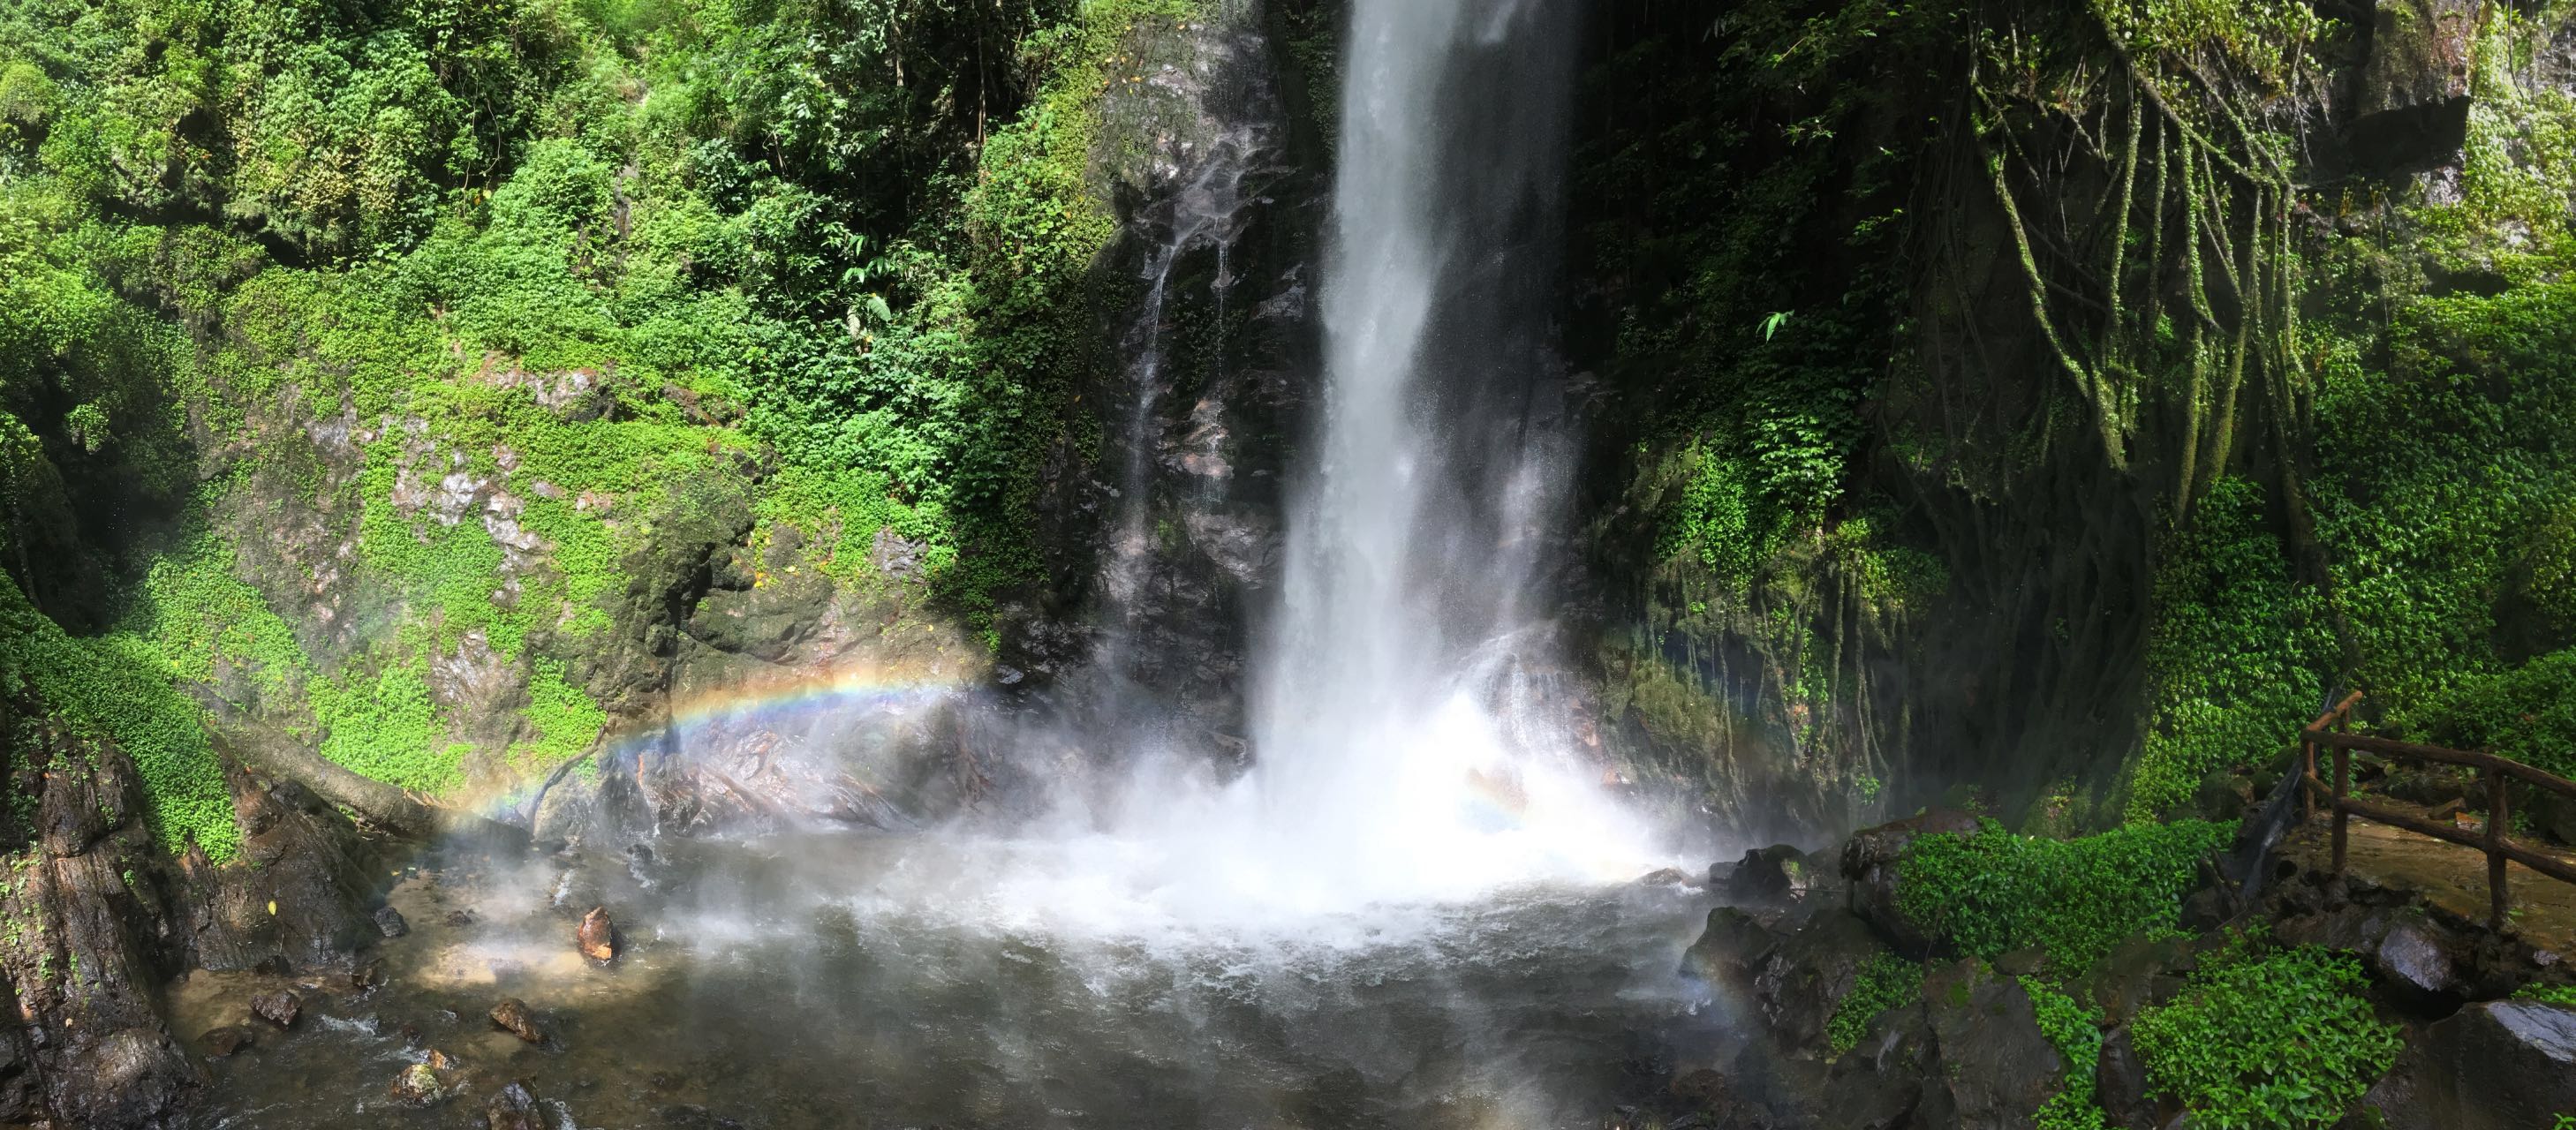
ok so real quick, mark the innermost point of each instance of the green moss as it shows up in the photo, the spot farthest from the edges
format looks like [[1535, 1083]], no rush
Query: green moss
[[117, 689], [1992, 892]]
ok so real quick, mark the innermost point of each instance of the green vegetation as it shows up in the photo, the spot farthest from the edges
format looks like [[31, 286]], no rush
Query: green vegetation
[[476, 322], [2237, 655], [2075, 1030], [115, 691], [2277, 1041], [1993, 892], [1886, 981], [2561, 995]]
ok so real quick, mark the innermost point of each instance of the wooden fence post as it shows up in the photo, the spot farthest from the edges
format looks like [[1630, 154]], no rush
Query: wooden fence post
[[2499, 814], [2343, 783]]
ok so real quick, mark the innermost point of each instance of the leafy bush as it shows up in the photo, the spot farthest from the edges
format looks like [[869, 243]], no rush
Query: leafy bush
[[2277, 1042], [2076, 1033], [2527, 713], [1993, 892], [1886, 982]]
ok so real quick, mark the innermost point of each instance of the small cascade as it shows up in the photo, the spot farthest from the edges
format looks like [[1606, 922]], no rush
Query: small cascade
[[1202, 216]]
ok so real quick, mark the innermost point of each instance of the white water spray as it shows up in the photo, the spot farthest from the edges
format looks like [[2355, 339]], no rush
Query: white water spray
[[1408, 751]]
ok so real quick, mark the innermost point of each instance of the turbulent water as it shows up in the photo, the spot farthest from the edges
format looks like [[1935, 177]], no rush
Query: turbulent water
[[1418, 908], [861, 981]]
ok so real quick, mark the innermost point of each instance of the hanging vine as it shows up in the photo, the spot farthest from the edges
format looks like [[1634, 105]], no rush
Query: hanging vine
[[2149, 208]]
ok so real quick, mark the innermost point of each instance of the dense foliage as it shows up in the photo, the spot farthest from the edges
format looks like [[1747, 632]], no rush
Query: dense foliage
[[2279, 1040], [1993, 892], [349, 343]]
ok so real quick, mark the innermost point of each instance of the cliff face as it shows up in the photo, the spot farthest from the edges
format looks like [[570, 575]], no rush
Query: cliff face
[[2063, 400]]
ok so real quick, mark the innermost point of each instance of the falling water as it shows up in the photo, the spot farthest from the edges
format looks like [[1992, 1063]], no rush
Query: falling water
[[1398, 726], [1202, 213]]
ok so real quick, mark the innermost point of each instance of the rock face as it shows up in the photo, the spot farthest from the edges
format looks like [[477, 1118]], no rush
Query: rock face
[[2493, 1066], [82, 1039], [2414, 105]]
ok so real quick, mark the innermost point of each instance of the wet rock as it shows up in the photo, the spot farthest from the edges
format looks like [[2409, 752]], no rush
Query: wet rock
[[512, 1016], [2417, 961], [1879, 1084], [1797, 984], [1765, 874], [1869, 862], [279, 1008], [1996, 1065], [2120, 1083], [2138, 972], [417, 1085], [463, 916], [1728, 950], [223, 1042], [2493, 1066], [2555, 815], [1665, 877], [515, 1107], [597, 936], [389, 922]]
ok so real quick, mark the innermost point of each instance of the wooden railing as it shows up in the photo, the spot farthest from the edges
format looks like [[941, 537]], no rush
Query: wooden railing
[[2329, 731]]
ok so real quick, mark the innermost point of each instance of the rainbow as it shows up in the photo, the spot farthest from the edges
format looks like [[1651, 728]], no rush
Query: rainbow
[[769, 704]]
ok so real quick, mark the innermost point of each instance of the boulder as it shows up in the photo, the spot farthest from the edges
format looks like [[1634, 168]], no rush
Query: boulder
[[1766, 874], [1730, 949], [2120, 1084], [417, 1085], [1879, 1083], [2492, 1066], [1869, 863], [1797, 984], [2137, 973], [597, 935], [515, 1107], [389, 922], [2418, 962], [279, 1008], [512, 1016], [1997, 1067]]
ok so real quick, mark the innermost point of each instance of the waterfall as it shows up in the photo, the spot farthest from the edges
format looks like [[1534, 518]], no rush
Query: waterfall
[[1402, 738], [1409, 744]]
